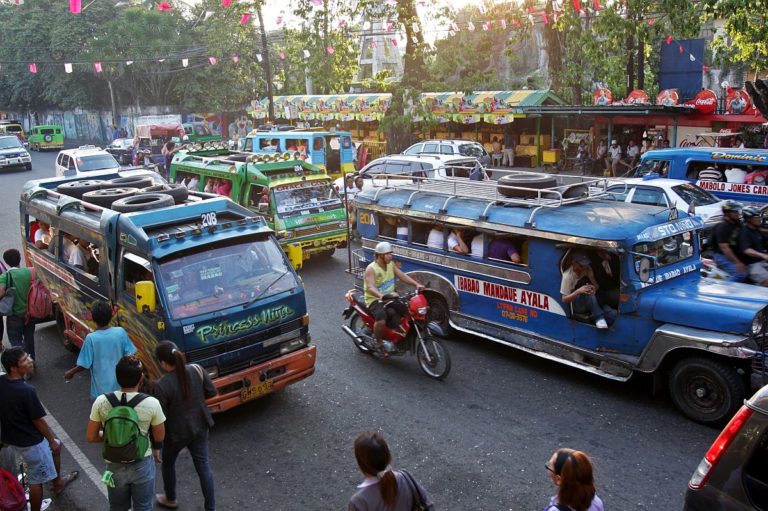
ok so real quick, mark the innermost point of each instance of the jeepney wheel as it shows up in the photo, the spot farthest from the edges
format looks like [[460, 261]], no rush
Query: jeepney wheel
[[705, 390], [178, 191], [61, 326], [106, 196], [438, 312], [76, 189]]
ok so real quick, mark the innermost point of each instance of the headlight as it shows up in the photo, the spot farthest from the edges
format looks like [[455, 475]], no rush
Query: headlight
[[422, 310], [292, 345], [758, 323]]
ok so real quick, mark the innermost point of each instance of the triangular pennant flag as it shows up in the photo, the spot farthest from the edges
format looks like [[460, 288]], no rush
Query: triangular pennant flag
[[651, 21], [212, 60], [415, 39], [681, 48], [331, 50], [503, 24], [669, 39], [341, 23], [482, 8], [317, 3], [394, 42], [471, 26], [161, 60], [705, 69], [281, 55], [75, 6], [596, 5], [577, 5], [366, 25], [128, 62], [415, 27], [374, 45], [97, 67], [451, 33], [389, 26], [516, 22], [279, 21], [33, 68], [306, 54], [245, 17], [455, 27], [530, 18], [693, 59], [485, 26], [164, 6], [235, 59], [226, 3], [544, 17], [259, 58], [67, 67], [184, 62]]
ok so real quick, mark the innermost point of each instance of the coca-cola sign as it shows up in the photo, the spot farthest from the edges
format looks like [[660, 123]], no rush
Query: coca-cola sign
[[602, 97], [668, 97], [705, 101]]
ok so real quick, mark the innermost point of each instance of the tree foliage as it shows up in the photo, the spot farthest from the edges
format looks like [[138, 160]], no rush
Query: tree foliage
[[745, 37]]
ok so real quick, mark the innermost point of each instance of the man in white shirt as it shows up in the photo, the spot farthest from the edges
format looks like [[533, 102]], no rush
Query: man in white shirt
[[455, 243], [614, 154]]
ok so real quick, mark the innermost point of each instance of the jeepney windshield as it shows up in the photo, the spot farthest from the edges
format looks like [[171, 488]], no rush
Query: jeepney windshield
[[305, 197], [665, 251], [215, 277]]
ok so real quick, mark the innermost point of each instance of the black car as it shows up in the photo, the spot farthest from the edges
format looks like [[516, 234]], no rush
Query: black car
[[733, 475], [121, 149]]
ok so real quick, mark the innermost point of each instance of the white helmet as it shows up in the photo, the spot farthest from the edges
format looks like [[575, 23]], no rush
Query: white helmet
[[384, 247]]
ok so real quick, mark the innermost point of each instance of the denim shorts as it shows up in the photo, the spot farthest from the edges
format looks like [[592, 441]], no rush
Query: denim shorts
[[39, 461]]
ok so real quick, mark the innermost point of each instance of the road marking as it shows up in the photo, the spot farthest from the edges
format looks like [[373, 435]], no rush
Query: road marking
[[80, 457]]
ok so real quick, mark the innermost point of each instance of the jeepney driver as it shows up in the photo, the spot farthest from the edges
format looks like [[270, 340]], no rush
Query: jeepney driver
[[380, 280]]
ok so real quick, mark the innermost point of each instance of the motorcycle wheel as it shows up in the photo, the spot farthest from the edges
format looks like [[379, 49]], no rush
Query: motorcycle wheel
[[356, 325], [433, 358]]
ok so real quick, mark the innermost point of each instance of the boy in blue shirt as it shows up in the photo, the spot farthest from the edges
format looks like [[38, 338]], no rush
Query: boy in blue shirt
[[101, 351]]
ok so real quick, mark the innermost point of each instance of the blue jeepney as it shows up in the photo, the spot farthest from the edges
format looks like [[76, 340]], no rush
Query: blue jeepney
[[744, 171], [703, 338], [205, 273]]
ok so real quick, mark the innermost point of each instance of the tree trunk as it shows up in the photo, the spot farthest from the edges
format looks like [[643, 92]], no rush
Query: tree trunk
[[630, 61], [265, 63], [640, 61], [112, 101]]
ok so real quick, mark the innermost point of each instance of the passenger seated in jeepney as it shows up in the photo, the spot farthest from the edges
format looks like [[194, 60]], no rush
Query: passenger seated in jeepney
[[607, 272], [579, 288], [505, 249], [436, 240], [711, 173], [393, 227]]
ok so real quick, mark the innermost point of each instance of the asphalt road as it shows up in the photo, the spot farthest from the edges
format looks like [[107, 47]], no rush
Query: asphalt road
[[478, 440]]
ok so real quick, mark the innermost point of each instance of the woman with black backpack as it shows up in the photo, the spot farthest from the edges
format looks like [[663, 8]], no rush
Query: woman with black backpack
[[182, 392]]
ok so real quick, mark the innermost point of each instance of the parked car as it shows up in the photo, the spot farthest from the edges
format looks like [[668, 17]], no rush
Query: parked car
[[46, 136], [122, 150], [455, 147], [403, 168], [13, 154], [733, 474], [84, 159], [669, 192]]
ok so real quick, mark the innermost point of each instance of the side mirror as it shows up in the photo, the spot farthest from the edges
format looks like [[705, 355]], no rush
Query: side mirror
[[145, 296], [263, 208], [644, 269]]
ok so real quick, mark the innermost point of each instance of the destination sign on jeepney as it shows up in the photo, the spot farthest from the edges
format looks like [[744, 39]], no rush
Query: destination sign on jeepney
[[721, 155], [661, 231], [717, 186], [303, 184]]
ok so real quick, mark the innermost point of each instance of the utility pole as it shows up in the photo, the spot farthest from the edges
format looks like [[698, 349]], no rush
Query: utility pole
[[265, 63]]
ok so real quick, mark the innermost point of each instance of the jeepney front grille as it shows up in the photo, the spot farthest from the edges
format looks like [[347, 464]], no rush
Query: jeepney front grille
[[245, 351], [316, 229]]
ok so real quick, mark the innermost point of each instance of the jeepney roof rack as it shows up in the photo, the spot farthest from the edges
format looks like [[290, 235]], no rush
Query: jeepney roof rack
[[569, 190]]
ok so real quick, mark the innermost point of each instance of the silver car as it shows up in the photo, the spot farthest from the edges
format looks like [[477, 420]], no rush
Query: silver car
[[13, 155]]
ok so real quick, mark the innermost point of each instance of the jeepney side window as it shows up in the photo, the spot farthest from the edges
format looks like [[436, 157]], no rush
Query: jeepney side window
[[135, 269], [507, 249], [248, 146], [77, 252], [393, 227], [420, 232]]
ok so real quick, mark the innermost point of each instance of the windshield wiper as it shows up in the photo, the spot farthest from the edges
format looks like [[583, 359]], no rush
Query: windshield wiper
[[252, 300]]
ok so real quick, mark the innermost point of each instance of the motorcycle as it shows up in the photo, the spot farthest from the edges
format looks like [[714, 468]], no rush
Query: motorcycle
[[412, 335]]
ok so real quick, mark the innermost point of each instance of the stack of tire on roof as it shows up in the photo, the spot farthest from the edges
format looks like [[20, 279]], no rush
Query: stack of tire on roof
[[526, 185], [125, 194]]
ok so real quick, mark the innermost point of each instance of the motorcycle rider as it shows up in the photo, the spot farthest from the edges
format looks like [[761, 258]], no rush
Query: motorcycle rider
[[752, 246], [725, 237], [380, 280]]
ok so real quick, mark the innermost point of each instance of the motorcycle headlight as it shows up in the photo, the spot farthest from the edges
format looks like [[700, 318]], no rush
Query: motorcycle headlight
[[422, 310], [758, 323]]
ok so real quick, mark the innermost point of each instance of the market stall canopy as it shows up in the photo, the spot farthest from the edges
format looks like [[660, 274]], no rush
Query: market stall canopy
[[494, 107]]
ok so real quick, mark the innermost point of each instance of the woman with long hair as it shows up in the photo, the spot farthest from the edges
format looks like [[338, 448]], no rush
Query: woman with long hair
[[182, 392], [571, 472], [383, 489]]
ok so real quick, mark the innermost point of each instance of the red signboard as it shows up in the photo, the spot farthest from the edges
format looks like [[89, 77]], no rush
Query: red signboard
[[668, 97], [705, 101], [637, 97], [603, 97]]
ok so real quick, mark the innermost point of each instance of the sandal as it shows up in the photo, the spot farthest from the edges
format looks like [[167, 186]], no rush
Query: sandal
[[72, 476], [380, 353]]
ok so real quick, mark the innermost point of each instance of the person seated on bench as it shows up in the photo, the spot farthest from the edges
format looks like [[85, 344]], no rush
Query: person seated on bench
[[504, 249], [455, 242], [578, 288]]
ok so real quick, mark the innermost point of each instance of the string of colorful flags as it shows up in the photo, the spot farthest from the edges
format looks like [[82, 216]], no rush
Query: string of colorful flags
[[387, 35]]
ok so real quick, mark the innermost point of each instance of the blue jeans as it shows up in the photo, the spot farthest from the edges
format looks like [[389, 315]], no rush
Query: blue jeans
[[20, 334], [134, 485], [198, 449], [587, 304], [729, 267]]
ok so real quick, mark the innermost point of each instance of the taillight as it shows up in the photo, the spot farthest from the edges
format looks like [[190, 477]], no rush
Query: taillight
[[719, 446]]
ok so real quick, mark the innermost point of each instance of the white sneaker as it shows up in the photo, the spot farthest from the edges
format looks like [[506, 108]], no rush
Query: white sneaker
[[601, 324]]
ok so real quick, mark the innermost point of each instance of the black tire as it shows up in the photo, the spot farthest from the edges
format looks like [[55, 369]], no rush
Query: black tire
[[356, 325], [438, 365], [576, 191], [130, 181], [61, 326], [47, 138], [706, 390], [438, 311], [537, 181], [28, 166], [179, 192], [76, 189], [105, 197], [143, 202]]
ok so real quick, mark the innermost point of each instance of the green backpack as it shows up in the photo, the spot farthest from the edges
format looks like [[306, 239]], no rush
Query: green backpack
[[123, 440]]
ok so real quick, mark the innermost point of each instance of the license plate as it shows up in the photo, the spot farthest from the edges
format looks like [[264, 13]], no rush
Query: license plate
[[254, 391], [14, 160]]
